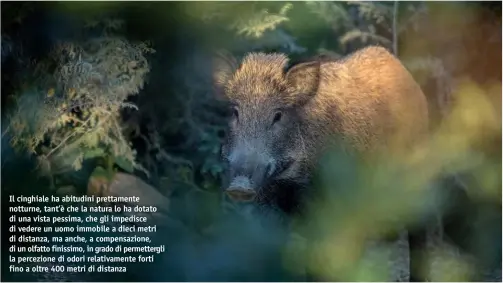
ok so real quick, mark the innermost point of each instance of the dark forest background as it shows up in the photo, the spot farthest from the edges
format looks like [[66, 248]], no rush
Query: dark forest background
[[90, 89]]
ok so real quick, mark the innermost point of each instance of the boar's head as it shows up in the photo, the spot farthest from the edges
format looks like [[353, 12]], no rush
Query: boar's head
[[264, 142]]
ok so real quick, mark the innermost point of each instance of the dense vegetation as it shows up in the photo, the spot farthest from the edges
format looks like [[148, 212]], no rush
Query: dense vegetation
[[90, 89]]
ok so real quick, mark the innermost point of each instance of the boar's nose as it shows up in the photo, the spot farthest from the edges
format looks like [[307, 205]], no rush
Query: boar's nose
[[256, 170], [247, 174]]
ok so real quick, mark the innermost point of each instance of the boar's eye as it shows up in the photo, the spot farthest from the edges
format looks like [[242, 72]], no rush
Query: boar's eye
[[277, 117], [235, 113]]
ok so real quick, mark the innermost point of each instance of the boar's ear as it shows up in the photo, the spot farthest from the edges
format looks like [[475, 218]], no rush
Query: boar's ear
[[224, 66], [303, 79]]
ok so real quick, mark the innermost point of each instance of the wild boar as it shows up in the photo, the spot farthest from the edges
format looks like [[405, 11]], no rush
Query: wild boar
[[283, 116]]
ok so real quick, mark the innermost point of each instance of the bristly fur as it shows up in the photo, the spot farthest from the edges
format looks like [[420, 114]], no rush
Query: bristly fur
[[367, 99], [257, 75]]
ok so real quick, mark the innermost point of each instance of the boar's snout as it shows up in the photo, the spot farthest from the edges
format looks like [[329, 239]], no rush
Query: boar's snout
[[247, 175]]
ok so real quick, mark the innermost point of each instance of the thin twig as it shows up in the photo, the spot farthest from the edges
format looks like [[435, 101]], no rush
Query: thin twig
[[75, 132], [5, 131], [395, 29]]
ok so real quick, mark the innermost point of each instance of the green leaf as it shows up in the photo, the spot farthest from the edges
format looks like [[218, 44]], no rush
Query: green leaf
[[95, 152], [124, 164], [100, 173]]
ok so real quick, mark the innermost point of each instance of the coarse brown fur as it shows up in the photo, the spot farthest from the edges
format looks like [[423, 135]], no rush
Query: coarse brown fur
[[368, 99], [285, 116]]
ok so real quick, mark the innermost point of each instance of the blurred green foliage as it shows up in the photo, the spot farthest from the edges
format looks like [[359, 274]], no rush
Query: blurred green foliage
[[100, 100]]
